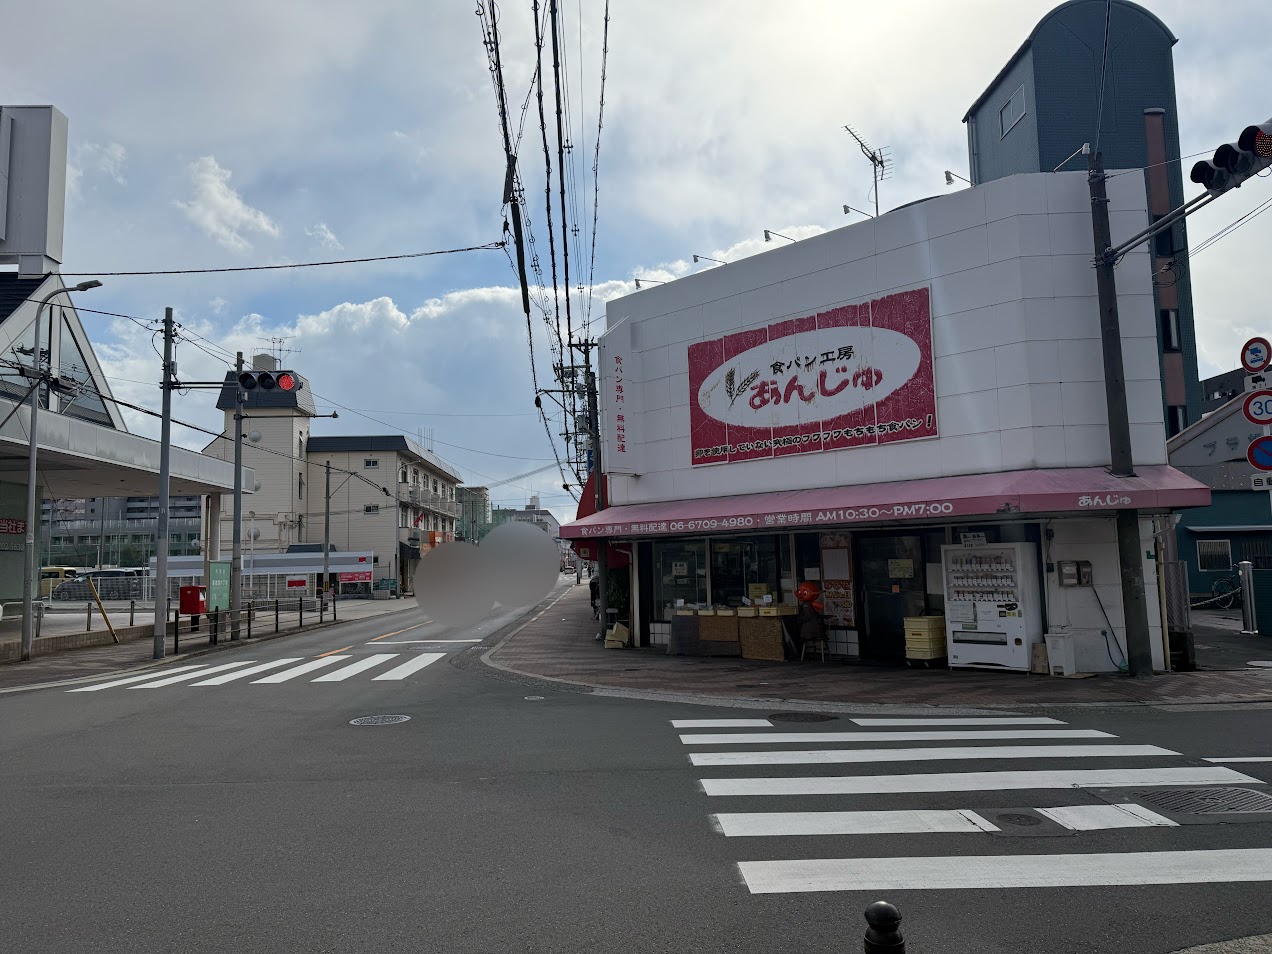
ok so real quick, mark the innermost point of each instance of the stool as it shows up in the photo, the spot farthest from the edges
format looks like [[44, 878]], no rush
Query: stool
[[822, 642]]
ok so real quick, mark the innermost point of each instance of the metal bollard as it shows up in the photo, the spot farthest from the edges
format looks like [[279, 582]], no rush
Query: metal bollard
[[276, 616], [334, 618], [216, 626], [883, 936], [132, 609], [88, 621], [300, 610], [1249, 620], [250, 614], [322, 607]]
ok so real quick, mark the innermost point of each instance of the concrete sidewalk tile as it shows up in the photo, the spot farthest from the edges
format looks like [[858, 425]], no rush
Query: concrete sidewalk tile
[[559, 644]]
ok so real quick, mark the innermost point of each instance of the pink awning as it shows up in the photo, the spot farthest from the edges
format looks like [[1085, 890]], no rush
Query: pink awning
[[1085, 490]]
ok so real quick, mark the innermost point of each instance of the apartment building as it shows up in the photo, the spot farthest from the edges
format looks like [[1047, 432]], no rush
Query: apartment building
[[388, 495]]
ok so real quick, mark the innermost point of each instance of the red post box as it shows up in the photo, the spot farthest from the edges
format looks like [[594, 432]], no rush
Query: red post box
[[193, 600]]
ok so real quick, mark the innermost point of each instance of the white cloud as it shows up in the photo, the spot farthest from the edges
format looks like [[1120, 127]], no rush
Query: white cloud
[[217, 305], [324, 237], [93, 158], [219, 211]]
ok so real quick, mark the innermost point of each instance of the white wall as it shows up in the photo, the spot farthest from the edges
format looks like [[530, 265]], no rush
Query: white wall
[[1015, 325], [1075, 610]]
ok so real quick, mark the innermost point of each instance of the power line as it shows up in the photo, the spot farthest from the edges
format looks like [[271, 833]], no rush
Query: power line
[[1104, 62], [596, 164], [489, 246]]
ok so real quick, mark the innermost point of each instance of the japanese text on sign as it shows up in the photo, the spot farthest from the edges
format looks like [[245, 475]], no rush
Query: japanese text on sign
[[10, 525], [850, 376]]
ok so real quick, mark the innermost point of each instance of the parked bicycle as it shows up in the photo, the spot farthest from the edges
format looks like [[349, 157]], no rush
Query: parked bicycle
[[1226, 592]]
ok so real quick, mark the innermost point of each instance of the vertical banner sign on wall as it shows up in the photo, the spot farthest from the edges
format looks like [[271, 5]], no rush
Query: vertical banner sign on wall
[[851, 376], [838, 607], [619, 385]]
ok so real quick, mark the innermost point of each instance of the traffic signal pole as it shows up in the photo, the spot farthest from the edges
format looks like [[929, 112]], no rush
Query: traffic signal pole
[[1130, 555], [165, 457], [236, 556], [1232, 164], [326, 533]]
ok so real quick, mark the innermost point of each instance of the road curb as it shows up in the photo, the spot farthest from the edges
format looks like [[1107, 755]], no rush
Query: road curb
[[497, 641]]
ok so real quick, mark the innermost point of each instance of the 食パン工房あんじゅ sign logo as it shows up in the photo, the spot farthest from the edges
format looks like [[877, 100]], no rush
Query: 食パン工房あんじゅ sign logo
[[849, 376]]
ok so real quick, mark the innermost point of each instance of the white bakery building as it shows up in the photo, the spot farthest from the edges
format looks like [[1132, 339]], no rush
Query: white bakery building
[[909, 411]]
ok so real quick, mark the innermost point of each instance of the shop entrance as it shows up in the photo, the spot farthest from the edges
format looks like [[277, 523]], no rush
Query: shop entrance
[[892, 580]]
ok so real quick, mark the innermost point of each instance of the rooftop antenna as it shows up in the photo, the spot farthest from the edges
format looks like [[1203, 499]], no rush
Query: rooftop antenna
[[880, 162], [276, 349]]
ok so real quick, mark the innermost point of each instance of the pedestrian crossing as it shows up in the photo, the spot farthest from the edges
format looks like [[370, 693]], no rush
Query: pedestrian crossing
[[1081, 795], [392, 667]]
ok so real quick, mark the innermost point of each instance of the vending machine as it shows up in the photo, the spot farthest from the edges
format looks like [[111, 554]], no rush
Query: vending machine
[[993, 611]]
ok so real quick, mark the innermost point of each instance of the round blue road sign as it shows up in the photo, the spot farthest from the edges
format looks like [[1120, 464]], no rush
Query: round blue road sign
[[1259, 453]]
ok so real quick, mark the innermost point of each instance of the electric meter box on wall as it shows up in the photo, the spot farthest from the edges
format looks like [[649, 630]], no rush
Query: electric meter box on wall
[[1074, 572]]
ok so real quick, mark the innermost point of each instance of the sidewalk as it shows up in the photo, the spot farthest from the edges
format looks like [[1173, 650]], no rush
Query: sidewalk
[[139, 651], [559, 645]]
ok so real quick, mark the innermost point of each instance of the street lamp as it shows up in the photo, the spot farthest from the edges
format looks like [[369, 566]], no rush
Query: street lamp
[[769, 233], [951, 176], [707, 258], [654, 280], [28, 566], [849, 208]]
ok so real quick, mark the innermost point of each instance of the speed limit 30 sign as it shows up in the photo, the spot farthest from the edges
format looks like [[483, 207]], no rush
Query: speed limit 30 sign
[[1258, 407]]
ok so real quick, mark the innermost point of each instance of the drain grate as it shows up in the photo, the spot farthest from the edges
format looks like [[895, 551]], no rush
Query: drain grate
[[1018, 818], [1207, 801], [380, 720], [802, 717]]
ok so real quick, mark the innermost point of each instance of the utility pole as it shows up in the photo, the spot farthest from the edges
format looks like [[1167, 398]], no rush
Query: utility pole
[[1139, 653], [236, 557], [165, 455], [594, 434], [29, 576], [326, 531]]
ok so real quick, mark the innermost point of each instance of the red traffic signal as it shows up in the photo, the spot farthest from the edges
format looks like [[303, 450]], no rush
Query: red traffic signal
[[1233, 163], [269, 381]]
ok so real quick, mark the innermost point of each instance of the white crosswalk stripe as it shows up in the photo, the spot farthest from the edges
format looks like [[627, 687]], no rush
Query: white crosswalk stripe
[[244, 673], [97, 687], [277, 671], [183, 677], [362, 665], [414, 665], [835, 756], [1078, 799], [1008, 871], [957, 735], [302, 669]]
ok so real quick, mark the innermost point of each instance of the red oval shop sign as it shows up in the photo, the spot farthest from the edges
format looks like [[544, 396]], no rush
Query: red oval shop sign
[[851, 376]]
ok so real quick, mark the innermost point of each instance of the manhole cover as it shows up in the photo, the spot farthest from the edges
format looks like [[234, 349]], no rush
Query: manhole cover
[[1018, 818], [1208, 801], [802, 717], [380, 720]]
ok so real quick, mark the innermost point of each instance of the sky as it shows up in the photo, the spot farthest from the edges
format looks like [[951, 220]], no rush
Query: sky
[[242, 133]]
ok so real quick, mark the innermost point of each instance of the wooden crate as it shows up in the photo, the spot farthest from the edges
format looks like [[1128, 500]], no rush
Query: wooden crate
[[748, 611], [933, 652], [922, 626], [761, 638], [718, 628]]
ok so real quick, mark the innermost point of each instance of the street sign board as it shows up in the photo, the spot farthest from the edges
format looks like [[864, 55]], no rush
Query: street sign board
[[1259, 482], [1258, 407], [1259, 453], [1255, 355], [219, 585]]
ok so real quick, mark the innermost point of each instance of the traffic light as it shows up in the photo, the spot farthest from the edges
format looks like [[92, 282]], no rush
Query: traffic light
[[269, 381], [1234, 162]]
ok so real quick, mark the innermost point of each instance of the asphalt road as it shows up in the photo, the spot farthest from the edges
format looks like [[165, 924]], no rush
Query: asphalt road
[[251, 816]]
